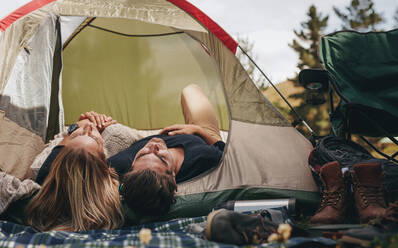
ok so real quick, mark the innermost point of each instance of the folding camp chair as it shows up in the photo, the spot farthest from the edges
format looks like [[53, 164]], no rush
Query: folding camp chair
[[362, 68]]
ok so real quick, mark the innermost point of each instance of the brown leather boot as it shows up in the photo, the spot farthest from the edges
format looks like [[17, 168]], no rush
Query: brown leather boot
[[334, 196], [367, 179]]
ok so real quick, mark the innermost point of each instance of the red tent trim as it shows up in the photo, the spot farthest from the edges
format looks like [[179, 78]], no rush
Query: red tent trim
[[182, 4], [207, 22], [22, 11]]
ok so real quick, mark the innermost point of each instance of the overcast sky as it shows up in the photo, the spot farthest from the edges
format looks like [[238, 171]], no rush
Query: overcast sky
[[268, 24]]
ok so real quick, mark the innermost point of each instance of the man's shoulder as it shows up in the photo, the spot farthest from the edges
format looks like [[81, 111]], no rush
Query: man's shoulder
[[184, 137]]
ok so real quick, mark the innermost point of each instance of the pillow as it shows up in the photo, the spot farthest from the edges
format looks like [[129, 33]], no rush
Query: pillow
[[18, 148]]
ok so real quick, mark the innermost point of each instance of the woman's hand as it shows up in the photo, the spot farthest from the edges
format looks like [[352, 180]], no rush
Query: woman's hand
[[181, 129], [100, 121]]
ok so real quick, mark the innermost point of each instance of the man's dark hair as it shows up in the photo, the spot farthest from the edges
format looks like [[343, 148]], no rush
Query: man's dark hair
[[149, 193]]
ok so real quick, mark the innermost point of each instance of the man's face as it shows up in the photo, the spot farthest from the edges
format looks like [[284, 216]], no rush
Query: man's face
[[154, 156], [88, 138]]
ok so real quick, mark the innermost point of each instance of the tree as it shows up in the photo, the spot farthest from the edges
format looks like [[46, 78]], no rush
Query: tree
[[306, 45], [310, 35], [247, 46], [360, 15]]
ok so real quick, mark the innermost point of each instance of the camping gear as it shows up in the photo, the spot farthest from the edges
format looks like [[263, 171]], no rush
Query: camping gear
[[368, 190], [362, 68], [130, 59], [348, 153], [252, 205], [334, 200], [276, 215], [231, 227]]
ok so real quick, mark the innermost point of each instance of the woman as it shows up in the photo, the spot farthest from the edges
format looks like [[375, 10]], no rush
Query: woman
[[79, 191]]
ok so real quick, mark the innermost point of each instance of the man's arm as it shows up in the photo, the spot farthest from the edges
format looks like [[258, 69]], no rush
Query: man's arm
[[189, 129]]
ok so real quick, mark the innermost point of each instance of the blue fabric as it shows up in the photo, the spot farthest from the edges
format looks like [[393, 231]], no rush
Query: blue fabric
[[164, 234]]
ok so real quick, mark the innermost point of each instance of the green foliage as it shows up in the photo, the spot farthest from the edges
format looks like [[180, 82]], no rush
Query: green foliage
[[360, 15], [247, 46], [308, 40], [390, 241]]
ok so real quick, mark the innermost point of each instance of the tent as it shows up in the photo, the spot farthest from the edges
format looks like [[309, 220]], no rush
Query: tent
[[130, 59]]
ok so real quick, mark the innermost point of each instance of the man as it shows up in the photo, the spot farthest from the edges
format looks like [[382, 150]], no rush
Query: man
[[151, 167], [154, 165]]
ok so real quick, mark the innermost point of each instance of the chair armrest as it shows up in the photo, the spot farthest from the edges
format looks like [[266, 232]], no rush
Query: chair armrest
[[314, 79]]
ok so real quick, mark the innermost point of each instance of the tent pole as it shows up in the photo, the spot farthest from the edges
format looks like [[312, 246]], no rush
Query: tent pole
[[299, 119]]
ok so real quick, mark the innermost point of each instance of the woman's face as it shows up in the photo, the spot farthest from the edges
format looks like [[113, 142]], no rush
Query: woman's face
[[88, 138]]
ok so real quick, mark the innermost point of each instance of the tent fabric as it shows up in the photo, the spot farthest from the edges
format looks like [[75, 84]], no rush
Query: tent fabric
[[229, 42], [263, 151], [240, 96], [184, 5], [70, 26], [14, 40], [147, 68], [245, 102], [153, 11], [22, 11], [32, 78], [240, 161], [364, 68]]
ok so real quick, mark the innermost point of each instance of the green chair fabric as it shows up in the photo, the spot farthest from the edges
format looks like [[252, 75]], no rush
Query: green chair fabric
[[364, 70]]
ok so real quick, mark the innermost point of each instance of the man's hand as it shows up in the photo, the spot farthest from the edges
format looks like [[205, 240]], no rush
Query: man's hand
[[181, 129], [189, 129], [101, 121]]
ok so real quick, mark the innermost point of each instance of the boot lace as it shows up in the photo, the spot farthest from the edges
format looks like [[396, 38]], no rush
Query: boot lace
[[258, 235], [330, 198], [370, 194]]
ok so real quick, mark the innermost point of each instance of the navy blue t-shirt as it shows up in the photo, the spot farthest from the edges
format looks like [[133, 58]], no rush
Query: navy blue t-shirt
[[198, 156]]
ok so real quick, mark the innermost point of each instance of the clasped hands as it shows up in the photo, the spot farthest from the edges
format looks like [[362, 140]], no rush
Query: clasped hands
[[100, 121]]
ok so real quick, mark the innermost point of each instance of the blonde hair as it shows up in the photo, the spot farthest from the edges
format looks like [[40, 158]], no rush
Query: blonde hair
[[80, 193]]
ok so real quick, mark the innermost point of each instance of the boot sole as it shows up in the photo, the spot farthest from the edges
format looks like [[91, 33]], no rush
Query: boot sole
[[209, 220]]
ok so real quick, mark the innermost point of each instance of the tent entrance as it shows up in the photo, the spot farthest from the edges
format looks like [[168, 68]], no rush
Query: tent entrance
[[133, 71]]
